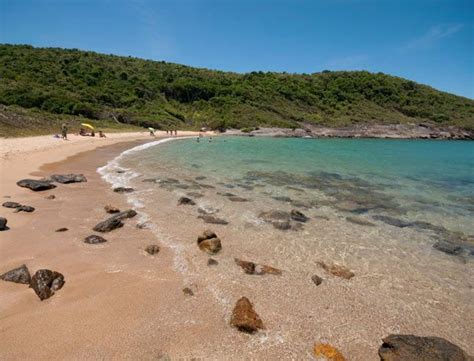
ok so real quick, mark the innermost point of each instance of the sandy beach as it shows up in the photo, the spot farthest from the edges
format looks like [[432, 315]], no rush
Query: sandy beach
[[119, 302]]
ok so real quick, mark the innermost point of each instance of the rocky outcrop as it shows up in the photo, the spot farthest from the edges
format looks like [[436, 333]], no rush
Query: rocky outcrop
[[68, 178], [244, 317], [152, 249], [410, 347], [111, 209], [17, 275], [328, 352], [45, 282], [94, 239], [209, 242], [35, 185], [186, 201], [123, 190], [212, 219], [337, 270], [3, 224], [252, 268]]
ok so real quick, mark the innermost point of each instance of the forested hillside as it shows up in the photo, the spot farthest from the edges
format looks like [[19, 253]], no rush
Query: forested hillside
[[143, 92]]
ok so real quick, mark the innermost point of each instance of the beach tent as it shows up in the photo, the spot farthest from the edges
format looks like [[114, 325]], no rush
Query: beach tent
[[87, 125]]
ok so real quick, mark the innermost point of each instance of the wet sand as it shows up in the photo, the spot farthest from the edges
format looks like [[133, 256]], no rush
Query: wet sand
[[121, 303]]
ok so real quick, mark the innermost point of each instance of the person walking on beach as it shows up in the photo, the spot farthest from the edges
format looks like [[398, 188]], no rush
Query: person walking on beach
[[64, 131]]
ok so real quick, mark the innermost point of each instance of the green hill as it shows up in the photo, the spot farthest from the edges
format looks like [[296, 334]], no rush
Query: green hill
[[51, 83]]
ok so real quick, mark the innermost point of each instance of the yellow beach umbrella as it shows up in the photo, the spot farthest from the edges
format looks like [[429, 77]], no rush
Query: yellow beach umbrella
[[87, 125]]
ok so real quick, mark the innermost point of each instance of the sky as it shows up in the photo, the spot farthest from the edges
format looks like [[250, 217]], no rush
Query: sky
[[428, 41]]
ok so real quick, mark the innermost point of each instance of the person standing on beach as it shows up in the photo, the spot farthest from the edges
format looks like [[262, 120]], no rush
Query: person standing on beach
[[64, 131]]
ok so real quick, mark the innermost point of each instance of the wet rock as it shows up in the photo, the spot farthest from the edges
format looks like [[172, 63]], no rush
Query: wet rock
[[212, 219], [392, 221], [45, 282], [68, 178], [129, 213], [329, 352], [144, 225], [226, 194], [108, 225], [94, 239], [244, 317], [206, 186], [282, 198], [298, 216], [63, 229], [410, 347], [229, 186], [337, 270], [256, 269], [212, 262], [273, 215], [35, 185], [123, 190], [17, 275], [111, 209], [3, 224], [188, 291], [238, 199], [317, 280], [152, 249], [282, 225], [195, 194], [351, 206], [427, 226], [301, 204], [11, 205], [51, 196], [186, 201], [454, 248], [201, 177], [209, 242], [360, 221], [27, 209]]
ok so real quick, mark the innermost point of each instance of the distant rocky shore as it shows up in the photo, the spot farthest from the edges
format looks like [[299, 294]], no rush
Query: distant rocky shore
[[389, 131]]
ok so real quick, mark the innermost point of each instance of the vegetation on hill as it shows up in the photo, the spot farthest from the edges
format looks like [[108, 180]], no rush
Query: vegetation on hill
[[85, 84]]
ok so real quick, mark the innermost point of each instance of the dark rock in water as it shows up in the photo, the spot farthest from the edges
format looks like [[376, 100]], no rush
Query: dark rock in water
[[212, 262], [282, 199], [244, 317], [64, 229], [274, 216], [209, 242], [337, 270], [149, 180], [152, 249], [3, 224], [123, 190], [27, 209], [182, 186], [238, 199], [301, 204], [454, 248], [51, 196], [188, 291], [392, 221], [17, 275], [282, 225], [108, 225], [229, 186], [206, 186], [35, 185], [186, 201], [416, 348], [201, 177], [195, 194], [427, 226], [252, 268], [298, 216], [11, 205], [94, 239], [317, 280], [351, 206], [45, 282], [68, 178], [111, 209], [226, 194], [212, 219], [360, 221]]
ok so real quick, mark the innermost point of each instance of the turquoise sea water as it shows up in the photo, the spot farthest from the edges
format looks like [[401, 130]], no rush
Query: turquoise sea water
[[413, 179]]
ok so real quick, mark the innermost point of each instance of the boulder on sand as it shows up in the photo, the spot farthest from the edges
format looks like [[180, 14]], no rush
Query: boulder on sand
[[94, 239], [244, 317], [17, 275], [35, 185], [68, 178], [45, 282], [337, 270], [3, 224], [410, 347], [209, 242]]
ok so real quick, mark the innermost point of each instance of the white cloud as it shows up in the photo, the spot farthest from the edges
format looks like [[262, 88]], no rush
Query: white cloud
[[433, 35]]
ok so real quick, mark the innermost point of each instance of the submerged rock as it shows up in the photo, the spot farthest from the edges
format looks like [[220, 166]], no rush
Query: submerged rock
[[244, 317], [195, 194], [152, 249], [212, 219], [392, 221], [123, 190], [454, 248], [273, 215], [209, 242], [317, 280], [282, 198], [410, 347], [186, 201], [68, 178], [45, 282], [256, 269], [35, 185], [360, 221], [17, 275], [329, 352], [237, 199], [111, 209], [11, 205], [3, 224], [298, 216], [282, 225], [94, 239], [337, 270]]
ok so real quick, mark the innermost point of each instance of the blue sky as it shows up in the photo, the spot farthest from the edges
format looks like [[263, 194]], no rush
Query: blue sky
[[429, 41]]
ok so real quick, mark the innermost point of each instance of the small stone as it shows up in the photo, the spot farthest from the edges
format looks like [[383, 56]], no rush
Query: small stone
[[17, 275], [209, 242], [188, 292], [212, 262], [152, 249], [298, 216], [248, 267], [123, 190], [238, 199], [317, 280], [11, 205], [111, 209], [3, 224], [337, 270], [186, 201], [94, 239], [212, 219], [195, 194], [63, 229], [44, 282], [360, 221], [51, 196], [244, 317], [330, 353], [252, 268], [27, 209]]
